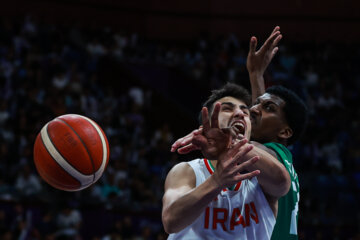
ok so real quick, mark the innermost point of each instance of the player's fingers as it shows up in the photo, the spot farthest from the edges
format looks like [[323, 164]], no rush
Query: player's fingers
[[180, 142], [205, 119], [234, 151], [239, 156], [229, 131], [249, 175], [200, 141], [245, 165], [269, 41], [277, 28], [215, 116], [253, 44], [197, 132], [188, 148], [276, 41], [176, 145], [274, 51], [185, 140]]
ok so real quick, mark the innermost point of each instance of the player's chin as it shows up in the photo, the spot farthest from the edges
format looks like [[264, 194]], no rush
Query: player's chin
[[211, 154]]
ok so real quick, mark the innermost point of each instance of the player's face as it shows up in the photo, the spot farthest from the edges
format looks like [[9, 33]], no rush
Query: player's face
[[235, 113], [267, 118]]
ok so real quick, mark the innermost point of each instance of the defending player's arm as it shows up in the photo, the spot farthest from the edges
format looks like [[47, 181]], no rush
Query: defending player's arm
[[258, 61], [183, 202], [274, 178]]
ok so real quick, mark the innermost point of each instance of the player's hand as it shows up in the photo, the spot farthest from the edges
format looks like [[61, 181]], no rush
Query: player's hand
[[214, 140], [184, 145], [258, 61], [232, 162], [209, 138]]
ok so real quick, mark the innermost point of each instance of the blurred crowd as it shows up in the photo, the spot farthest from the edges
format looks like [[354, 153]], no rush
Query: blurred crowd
[[47, 70]]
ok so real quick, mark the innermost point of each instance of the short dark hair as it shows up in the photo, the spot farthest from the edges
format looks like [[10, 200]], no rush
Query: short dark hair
[[296, 112], [228, 90]]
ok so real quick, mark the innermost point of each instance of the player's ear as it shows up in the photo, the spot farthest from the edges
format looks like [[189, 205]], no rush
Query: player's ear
[[285, 133]]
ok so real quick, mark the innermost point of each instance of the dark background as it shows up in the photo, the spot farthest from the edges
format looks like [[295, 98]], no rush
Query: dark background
[[171, 54]]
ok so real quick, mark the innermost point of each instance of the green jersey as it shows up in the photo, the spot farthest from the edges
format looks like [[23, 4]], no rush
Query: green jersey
[[288, 206]]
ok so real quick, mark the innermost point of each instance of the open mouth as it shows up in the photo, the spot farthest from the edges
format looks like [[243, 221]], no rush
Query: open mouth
[[239, 128]]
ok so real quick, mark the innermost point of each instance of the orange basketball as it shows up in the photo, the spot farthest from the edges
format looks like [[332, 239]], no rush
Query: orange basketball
[[71, 152]]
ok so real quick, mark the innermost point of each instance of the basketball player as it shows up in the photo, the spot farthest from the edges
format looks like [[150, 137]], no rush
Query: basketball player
[[213, 198], [279, 117]]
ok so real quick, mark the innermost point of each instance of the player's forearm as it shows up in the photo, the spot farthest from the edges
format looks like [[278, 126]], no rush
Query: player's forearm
[[273, 177], [186, 209], [257, 83]]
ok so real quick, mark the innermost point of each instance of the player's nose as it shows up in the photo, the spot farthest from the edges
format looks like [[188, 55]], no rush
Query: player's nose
[[255, 111], [255, 108], [239, 113]]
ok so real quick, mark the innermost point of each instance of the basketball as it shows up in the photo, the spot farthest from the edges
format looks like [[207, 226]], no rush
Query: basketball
[[71, 152]]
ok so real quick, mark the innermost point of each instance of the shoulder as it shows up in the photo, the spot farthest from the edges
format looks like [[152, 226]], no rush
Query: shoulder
[[181, 168], [181, 174], [284, 155], [281, 151], [265, 148]]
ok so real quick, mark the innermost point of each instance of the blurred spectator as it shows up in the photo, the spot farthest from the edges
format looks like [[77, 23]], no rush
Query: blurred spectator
[[68, 222], [137, 95], [4, 222], [22, 222], [163, 134], [46, 227], [27, 183], [115, 232]]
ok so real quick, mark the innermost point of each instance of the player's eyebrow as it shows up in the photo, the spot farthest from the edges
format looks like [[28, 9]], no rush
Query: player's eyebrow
[[228, 103], [265, 101], [271, 102], [241, 106]]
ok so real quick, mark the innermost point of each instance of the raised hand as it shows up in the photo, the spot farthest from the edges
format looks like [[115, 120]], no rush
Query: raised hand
[[258, 61]]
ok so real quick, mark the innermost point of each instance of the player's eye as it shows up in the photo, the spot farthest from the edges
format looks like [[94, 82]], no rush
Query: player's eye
[[226, 108], [269, 107], [245, 110]]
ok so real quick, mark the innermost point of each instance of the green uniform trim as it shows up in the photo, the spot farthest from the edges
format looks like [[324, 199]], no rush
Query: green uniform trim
[[288, 205]]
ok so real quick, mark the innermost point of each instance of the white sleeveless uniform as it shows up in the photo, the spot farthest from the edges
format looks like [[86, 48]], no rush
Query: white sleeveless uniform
[[241, 212]]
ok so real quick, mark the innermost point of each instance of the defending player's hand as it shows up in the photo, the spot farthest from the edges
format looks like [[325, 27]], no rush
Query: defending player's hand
[[214, 140], [183, 145], [232, 162], [258, 61], [209, 138]]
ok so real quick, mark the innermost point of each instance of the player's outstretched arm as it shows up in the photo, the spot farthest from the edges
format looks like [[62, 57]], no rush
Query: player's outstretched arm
[[258, 61], [184, 145], [183, 202], [274, 178]]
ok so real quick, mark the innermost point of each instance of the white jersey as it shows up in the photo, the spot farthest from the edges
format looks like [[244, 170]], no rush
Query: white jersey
[[240, 212]]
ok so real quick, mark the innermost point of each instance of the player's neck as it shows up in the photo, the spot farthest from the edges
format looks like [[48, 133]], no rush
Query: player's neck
[[213, 163]]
